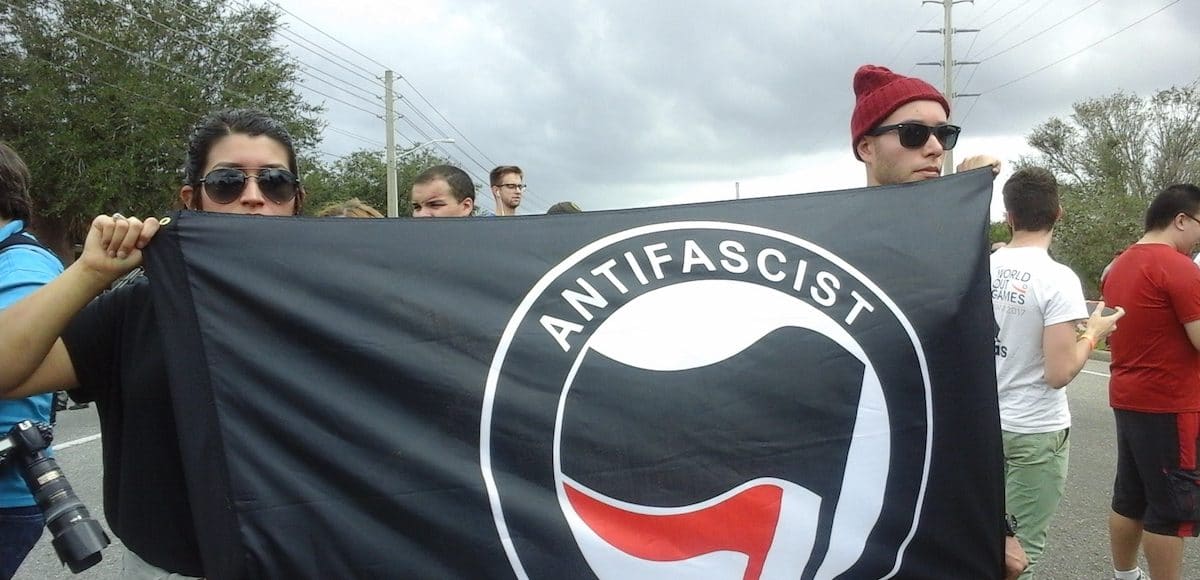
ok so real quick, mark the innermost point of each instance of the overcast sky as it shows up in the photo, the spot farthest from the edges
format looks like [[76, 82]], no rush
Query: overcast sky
[[618, 103]]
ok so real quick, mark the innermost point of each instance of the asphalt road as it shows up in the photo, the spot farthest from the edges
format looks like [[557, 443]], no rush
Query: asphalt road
[[1078, 538], [1078, 544]]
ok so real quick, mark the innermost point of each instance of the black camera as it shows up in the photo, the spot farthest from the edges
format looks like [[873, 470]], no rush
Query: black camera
[[78, 538]]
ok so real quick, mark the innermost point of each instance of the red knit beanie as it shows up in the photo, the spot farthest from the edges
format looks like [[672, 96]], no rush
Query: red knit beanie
[[879, 92]]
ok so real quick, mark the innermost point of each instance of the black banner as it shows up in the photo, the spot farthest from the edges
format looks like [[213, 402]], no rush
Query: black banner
[[787, 387]]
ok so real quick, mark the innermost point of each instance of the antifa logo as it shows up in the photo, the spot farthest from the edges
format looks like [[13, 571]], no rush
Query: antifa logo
[[706, 400]]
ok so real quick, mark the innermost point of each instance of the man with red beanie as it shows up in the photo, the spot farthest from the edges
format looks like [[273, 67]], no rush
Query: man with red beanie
[[899, 129]]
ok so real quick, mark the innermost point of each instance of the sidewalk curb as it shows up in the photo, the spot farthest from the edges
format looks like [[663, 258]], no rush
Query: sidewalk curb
[[1101, 355]]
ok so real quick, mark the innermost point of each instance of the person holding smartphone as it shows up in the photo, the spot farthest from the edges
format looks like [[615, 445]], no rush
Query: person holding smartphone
[[1037, 303], [1154, 389]]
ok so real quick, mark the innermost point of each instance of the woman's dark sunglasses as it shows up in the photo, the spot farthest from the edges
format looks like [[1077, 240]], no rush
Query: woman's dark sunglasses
[[225, 185], [916, 135]]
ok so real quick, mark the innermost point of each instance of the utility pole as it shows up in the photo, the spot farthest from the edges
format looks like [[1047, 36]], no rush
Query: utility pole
[[393, 198], [948, 63], [737, 190]]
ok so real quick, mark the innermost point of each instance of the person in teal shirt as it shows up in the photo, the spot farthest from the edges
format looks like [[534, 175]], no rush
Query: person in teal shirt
[[25, 265]]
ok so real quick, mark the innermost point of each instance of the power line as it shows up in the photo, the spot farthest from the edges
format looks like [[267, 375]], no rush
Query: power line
[[301, 42], [892, 42], [445, 153], [443, 117], [980, 16], [434, 127], [975, 69], [366, 140], [906, 42], [1088, 47], [155, 63], [310, 70], [427, 102], [1005, 15], [1015, 26], [413, 87], [170, 69], [330, 37], [344, 102], [967, 54], [1073, 54], [236, 58], [329, 155], [1041, 32]]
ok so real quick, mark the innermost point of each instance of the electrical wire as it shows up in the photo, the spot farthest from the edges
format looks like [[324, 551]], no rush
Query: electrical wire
[[1071, 55], [1041, 32]]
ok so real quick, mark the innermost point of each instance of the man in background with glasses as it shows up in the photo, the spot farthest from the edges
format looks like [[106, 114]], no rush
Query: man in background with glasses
[[508, 186], [1154, 389], [900, 131]]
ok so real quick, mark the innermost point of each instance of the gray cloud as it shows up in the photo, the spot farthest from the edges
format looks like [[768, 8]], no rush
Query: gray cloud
[[600, 100]]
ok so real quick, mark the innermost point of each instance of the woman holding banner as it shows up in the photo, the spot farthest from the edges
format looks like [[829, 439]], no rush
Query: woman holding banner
[[108, 350]]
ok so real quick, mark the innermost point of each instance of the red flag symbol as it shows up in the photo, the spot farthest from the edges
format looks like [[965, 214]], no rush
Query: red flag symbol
[[743, 523]]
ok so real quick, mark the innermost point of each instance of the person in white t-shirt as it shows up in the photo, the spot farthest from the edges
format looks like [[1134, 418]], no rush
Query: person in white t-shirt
[[1037, 304]]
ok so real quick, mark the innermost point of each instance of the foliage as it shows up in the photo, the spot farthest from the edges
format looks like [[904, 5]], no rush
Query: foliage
[[999, 232], [363, 174], [1094, 227], [100, 97], [1112, 156], [1123, 144]]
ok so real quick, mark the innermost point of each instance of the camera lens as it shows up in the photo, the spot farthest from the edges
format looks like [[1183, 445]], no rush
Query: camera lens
[[77, 538]]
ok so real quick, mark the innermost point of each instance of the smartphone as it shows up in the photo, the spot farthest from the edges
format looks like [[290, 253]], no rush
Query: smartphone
[[1091, 307]]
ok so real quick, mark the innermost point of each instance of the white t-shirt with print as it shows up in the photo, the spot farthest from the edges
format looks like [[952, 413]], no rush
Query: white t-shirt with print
[[1030, 291]]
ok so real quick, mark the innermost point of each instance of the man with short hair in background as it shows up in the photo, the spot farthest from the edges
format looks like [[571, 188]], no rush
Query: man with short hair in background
[[443, 191], [1037, 303], [508, 186], [1154, 389]]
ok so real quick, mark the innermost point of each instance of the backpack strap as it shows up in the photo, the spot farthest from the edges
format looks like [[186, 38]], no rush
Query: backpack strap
[[20, 239]]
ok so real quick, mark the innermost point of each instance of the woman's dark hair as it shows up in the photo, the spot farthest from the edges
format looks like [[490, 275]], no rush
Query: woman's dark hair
[[14, 186], [221, 124]]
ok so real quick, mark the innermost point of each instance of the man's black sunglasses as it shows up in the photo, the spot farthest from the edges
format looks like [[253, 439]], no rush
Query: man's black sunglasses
[[226, 184], [916, 135]]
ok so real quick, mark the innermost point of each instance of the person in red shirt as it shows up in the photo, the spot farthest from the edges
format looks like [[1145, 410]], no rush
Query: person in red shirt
[[1155, 388]]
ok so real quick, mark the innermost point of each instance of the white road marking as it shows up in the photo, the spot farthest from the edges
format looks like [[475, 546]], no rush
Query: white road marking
[[1095, 373], [79, 441]]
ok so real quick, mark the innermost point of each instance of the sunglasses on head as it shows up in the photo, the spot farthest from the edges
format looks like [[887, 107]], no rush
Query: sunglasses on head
[[226, 184], [916, 135]]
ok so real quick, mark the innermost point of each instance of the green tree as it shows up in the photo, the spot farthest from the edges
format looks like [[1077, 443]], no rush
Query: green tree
[[1123, 144], [363, 174], [999, 232], [1095, 225], [99, 97], [1112, 156]]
